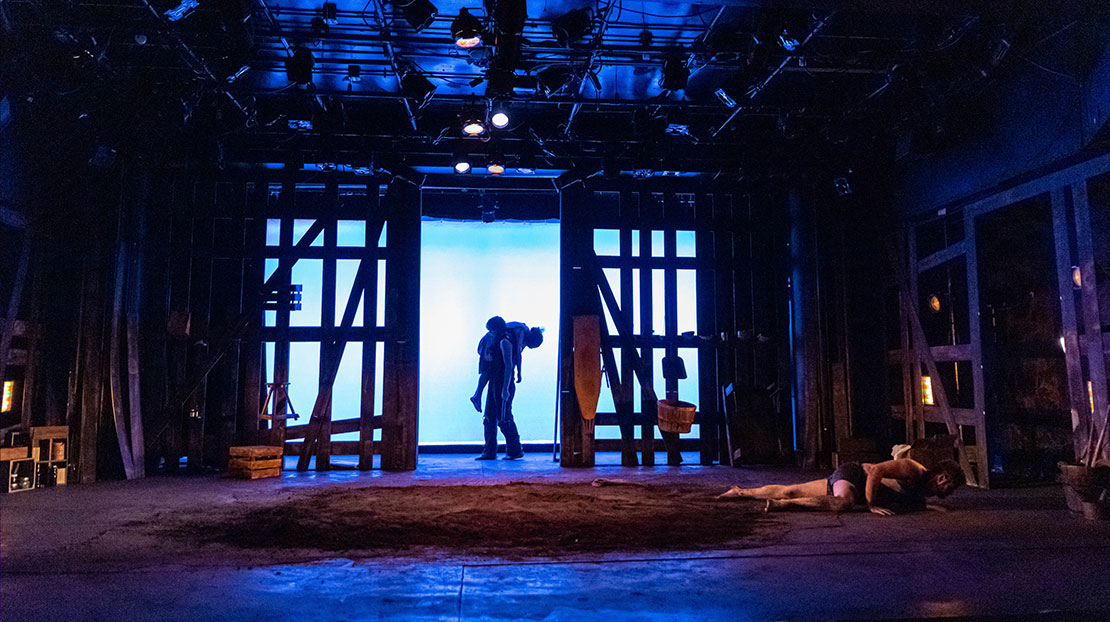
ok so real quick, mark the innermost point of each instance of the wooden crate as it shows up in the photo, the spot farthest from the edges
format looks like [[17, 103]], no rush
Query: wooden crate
[[254, 461]]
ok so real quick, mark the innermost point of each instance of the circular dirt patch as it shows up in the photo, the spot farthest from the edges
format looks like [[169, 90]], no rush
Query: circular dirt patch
[[517, 518]]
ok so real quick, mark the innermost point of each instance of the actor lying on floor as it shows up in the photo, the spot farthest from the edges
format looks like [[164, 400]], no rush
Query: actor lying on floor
[[891, 487]]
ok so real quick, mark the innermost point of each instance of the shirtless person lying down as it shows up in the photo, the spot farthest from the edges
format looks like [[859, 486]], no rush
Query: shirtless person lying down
[[907, 485]]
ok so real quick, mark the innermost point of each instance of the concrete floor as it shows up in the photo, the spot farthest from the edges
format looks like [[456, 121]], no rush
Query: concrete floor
[[77, 553]]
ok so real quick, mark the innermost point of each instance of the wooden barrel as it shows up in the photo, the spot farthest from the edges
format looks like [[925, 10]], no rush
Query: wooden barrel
[[676, 416]]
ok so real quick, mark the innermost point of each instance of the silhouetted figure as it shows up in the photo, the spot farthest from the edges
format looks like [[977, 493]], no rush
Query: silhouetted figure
[[522, 337]]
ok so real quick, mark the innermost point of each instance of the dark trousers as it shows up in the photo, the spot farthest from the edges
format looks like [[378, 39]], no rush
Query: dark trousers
[[494, 419]]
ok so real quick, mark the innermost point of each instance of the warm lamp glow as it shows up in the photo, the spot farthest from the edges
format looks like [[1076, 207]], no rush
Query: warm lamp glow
[[1091, 395], [934, 303], [496, 169], [927, 391], [9, 390], [468, 42], [1076, 276]]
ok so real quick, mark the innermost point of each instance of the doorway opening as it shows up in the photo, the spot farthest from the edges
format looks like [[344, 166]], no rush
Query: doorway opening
[[470, 271]]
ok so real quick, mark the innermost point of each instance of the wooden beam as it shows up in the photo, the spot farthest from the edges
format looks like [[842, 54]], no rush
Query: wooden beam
[[1092, 319], [331, 353], [374, 223], [624, 406], [401, 378], [251, 360], [622, 322], [11, 313], [706, 324], [649, 403], [342, 426], [921, 351], [1073, 354], [119, 415]]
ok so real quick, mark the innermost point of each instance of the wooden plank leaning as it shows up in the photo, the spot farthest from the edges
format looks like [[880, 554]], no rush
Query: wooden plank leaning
[[920, 349]]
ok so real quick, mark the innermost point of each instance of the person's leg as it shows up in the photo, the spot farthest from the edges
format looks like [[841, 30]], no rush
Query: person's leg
[[476, 399], [513, 450], [489, 425], [489, 433], [775, 491], [843, 498]]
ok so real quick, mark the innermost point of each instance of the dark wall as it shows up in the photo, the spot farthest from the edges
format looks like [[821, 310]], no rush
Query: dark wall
[[1032, 117]]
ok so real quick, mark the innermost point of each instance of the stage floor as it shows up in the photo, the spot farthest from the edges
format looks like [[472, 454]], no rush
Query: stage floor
[[160, 549]]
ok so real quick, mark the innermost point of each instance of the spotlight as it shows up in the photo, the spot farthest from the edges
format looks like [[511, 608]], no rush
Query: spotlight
[[298, 67], [182, 10], [572, 26], [462, 163], [466, 30], [473, 125], [787, 42], [496, 162], [330, 11], [675, 74], [553, 79], [418, 88], [499, 119], [418, 13]]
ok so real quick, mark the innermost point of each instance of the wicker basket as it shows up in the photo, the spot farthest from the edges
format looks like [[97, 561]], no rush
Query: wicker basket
[[675, 416]]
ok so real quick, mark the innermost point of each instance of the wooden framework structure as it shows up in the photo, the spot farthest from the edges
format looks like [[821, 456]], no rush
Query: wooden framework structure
[[736, 267], [1084, 340]]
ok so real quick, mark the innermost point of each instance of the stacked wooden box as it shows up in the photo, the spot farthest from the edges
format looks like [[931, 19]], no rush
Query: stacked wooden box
[[254, 461], [17, 464]]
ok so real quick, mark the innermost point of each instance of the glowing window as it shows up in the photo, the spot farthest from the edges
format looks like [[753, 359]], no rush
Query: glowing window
[[9, 390], [927, 391]]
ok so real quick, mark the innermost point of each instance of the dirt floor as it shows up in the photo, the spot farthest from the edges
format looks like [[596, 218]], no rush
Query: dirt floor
[[514, 520], [506, 541]]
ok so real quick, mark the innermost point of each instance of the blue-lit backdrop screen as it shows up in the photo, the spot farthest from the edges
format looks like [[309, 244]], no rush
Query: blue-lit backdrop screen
[[470, 271]]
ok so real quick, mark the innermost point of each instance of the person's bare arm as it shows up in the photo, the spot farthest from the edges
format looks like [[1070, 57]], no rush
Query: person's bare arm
[[507, 357], [901, 469]]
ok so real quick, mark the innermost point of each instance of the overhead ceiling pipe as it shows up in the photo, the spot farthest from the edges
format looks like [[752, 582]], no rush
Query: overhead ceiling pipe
[[191, 59], [757, 89]]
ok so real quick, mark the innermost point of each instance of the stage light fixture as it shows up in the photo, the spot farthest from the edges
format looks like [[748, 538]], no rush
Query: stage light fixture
[[552, 79], [320, 28], [466, 30], [495, 164], [462, 164], [418, 13], [418, 88], [499, 119], [182, 10], [675, 74], [473, 125], [330, 11], [572, 26], [298, 67], [788, 42]]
